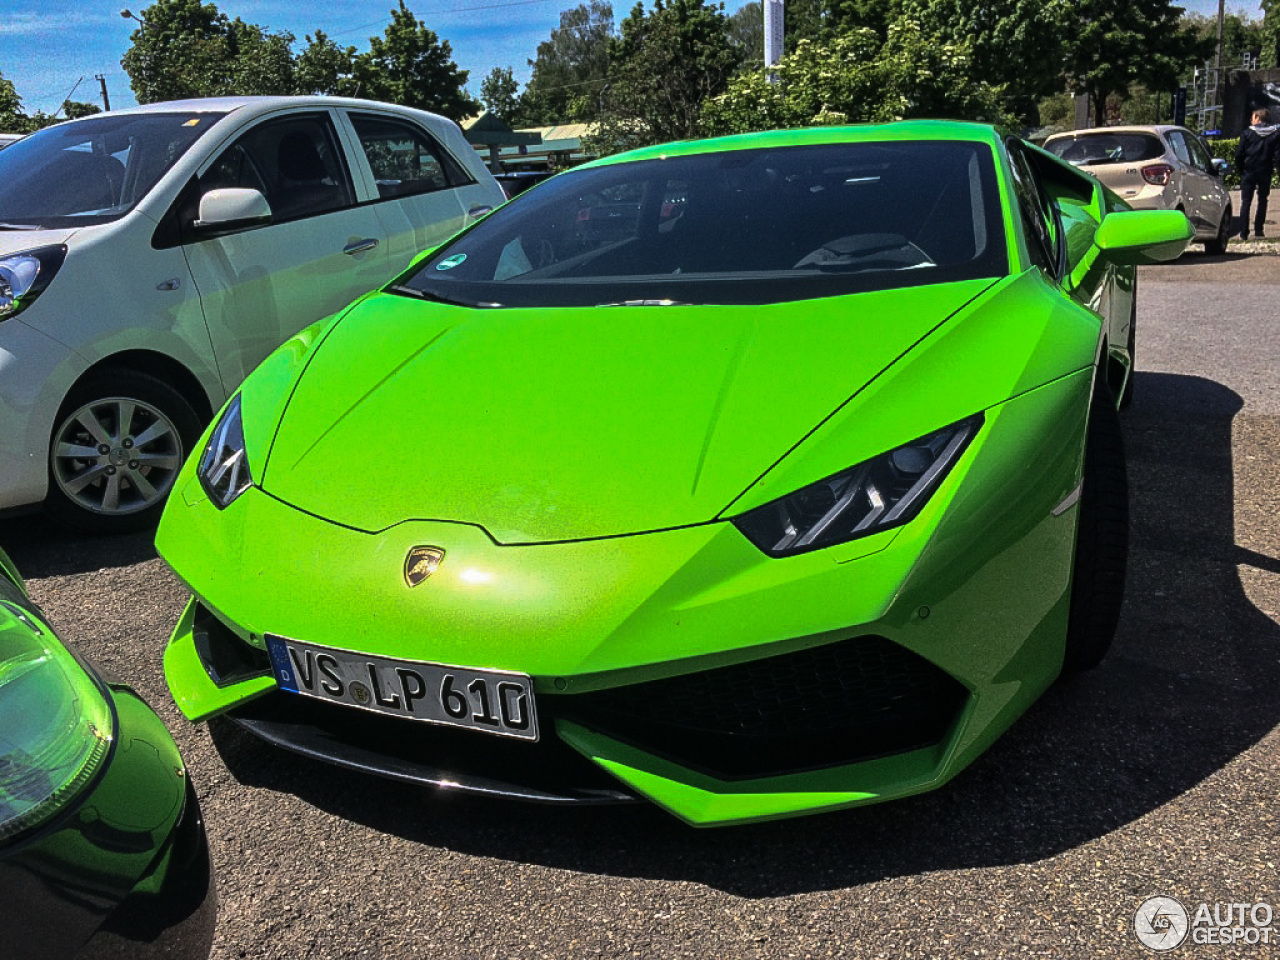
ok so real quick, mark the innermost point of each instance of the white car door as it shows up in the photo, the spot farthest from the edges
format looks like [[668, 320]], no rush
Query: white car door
[[321, 249], [1193, 184], [416, 183]]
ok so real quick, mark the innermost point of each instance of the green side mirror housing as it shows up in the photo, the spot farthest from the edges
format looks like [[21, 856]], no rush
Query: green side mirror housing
[[1143, 236]]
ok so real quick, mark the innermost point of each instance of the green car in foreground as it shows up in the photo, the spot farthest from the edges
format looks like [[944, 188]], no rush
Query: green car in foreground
[[754, 476]]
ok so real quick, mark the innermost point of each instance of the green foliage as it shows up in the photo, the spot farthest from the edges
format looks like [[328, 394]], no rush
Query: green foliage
[[1270, 33], [498, 92], [323, 67], [1240, 35], [570, 68], [1015, 43], [182, 50], [262, 63], [12, 118], [854, 78], [75, 109], [410, 65], [875, 15], [746, 33], [663, 66], [1112, 46]]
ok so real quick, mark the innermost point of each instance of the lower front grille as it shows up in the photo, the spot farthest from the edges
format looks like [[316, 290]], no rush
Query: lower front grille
[[549, 771], [841, 703]]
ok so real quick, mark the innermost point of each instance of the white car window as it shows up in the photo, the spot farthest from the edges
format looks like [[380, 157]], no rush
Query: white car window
[[404, 160], [1179, 144]]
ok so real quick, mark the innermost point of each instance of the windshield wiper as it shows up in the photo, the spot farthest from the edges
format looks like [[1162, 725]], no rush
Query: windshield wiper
[[400, 288], [19, 226]]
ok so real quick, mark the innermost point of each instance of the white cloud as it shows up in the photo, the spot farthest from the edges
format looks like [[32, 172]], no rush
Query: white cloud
[[30, 24]]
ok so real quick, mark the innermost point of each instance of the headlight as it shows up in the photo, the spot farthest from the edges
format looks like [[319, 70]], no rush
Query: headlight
[[56, 725], [883, 492], [24, 275], [224, 465]]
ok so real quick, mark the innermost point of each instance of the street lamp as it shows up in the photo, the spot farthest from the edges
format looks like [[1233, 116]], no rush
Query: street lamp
[[130, 15]]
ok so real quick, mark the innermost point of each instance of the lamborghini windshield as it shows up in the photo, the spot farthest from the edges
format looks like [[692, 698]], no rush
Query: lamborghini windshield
[[94, 170], [747, 226]]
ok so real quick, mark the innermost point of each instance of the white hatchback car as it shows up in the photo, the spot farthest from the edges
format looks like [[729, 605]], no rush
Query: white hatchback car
[[1156, 168], [150, 258]]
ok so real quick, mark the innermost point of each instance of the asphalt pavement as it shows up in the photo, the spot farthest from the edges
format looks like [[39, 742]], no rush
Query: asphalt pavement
[[1154, 775]]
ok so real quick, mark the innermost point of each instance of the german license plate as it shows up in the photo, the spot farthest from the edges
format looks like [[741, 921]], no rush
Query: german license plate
[[493, 701]]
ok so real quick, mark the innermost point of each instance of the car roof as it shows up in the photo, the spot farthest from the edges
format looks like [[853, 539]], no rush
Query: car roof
[[1135, 128], [254, 105], [900, 131]]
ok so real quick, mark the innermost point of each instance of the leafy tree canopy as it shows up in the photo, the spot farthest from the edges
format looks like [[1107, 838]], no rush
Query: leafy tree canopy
[[410, 65], [855, 78], [498, 92], [570, 67], [746, 33], [666, 62], [323, 67], [1113, 46]]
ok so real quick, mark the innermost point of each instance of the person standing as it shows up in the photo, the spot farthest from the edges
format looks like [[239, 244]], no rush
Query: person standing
[[1255, 159]]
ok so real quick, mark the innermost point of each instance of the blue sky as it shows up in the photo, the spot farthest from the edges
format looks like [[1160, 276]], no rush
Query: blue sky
[[45, 47]]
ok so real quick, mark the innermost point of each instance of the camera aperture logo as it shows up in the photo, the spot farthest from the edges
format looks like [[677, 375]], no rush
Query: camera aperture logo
[[1163, 923]]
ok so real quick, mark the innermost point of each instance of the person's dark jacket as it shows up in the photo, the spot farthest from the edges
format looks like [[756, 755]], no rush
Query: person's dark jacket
[[1256, 155]]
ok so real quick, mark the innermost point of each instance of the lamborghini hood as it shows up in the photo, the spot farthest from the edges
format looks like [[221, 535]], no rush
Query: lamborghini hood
[[544, 425]]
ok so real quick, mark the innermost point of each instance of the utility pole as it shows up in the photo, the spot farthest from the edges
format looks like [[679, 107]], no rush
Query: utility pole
[[106, 101], [1217, 66]]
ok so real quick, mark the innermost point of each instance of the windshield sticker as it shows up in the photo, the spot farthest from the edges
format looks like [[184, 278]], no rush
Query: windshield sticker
[[448, 263], [194, 121]]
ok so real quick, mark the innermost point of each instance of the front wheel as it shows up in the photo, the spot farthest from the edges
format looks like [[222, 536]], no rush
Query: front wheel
[[1102, 538], [1218, 245], [121, 438]]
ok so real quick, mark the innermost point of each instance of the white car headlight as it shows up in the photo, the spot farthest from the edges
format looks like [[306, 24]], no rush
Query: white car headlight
[[880, 493], [23, 276], [224, 465]]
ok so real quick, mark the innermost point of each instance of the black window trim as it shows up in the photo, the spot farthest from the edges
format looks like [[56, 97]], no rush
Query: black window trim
[[453, 168], [174, 230]]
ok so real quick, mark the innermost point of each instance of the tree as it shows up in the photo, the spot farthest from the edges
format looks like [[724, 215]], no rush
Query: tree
[[1270, 56], [185, 48], [182, 49], [498, 92], [569, 70], [410, 65], [854, 78], [1112, 46], [323, 67], [75, 109], [661, 69], [12, 118], [746, 33], [262, 63], [1017, 43]]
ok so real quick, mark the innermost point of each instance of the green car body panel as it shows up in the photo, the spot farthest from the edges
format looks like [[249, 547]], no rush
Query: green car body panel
[[581, 468]]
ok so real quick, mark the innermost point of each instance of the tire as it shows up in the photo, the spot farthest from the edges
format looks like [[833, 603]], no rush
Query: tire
[[107, 476], [1102, 539], [1218, 245]]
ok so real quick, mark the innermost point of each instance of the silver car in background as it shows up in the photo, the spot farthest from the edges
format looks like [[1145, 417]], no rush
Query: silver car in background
[[1156, 168]]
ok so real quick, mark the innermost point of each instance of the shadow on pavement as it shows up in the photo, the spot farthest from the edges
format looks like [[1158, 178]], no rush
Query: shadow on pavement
[[1191, 683], [41, 548]]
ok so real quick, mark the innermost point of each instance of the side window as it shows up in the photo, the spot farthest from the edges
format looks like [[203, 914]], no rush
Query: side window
[[1199, 154], [1039, 221], [404, 159], [1179, 144], [294, 162]]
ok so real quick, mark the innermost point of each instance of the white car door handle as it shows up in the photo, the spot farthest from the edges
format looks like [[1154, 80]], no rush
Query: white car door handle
[[360, 246], [479, 211]]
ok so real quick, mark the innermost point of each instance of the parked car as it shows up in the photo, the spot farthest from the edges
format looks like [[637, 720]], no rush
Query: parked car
[[150, 258], [520, 180], [790, 493], [1156, 168], [6, 139], [102, 845]]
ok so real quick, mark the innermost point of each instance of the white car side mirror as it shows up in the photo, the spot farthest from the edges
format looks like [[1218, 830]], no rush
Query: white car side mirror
[[231, 207]]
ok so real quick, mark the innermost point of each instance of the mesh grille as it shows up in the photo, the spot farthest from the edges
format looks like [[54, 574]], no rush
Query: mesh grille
[[853, 700]]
